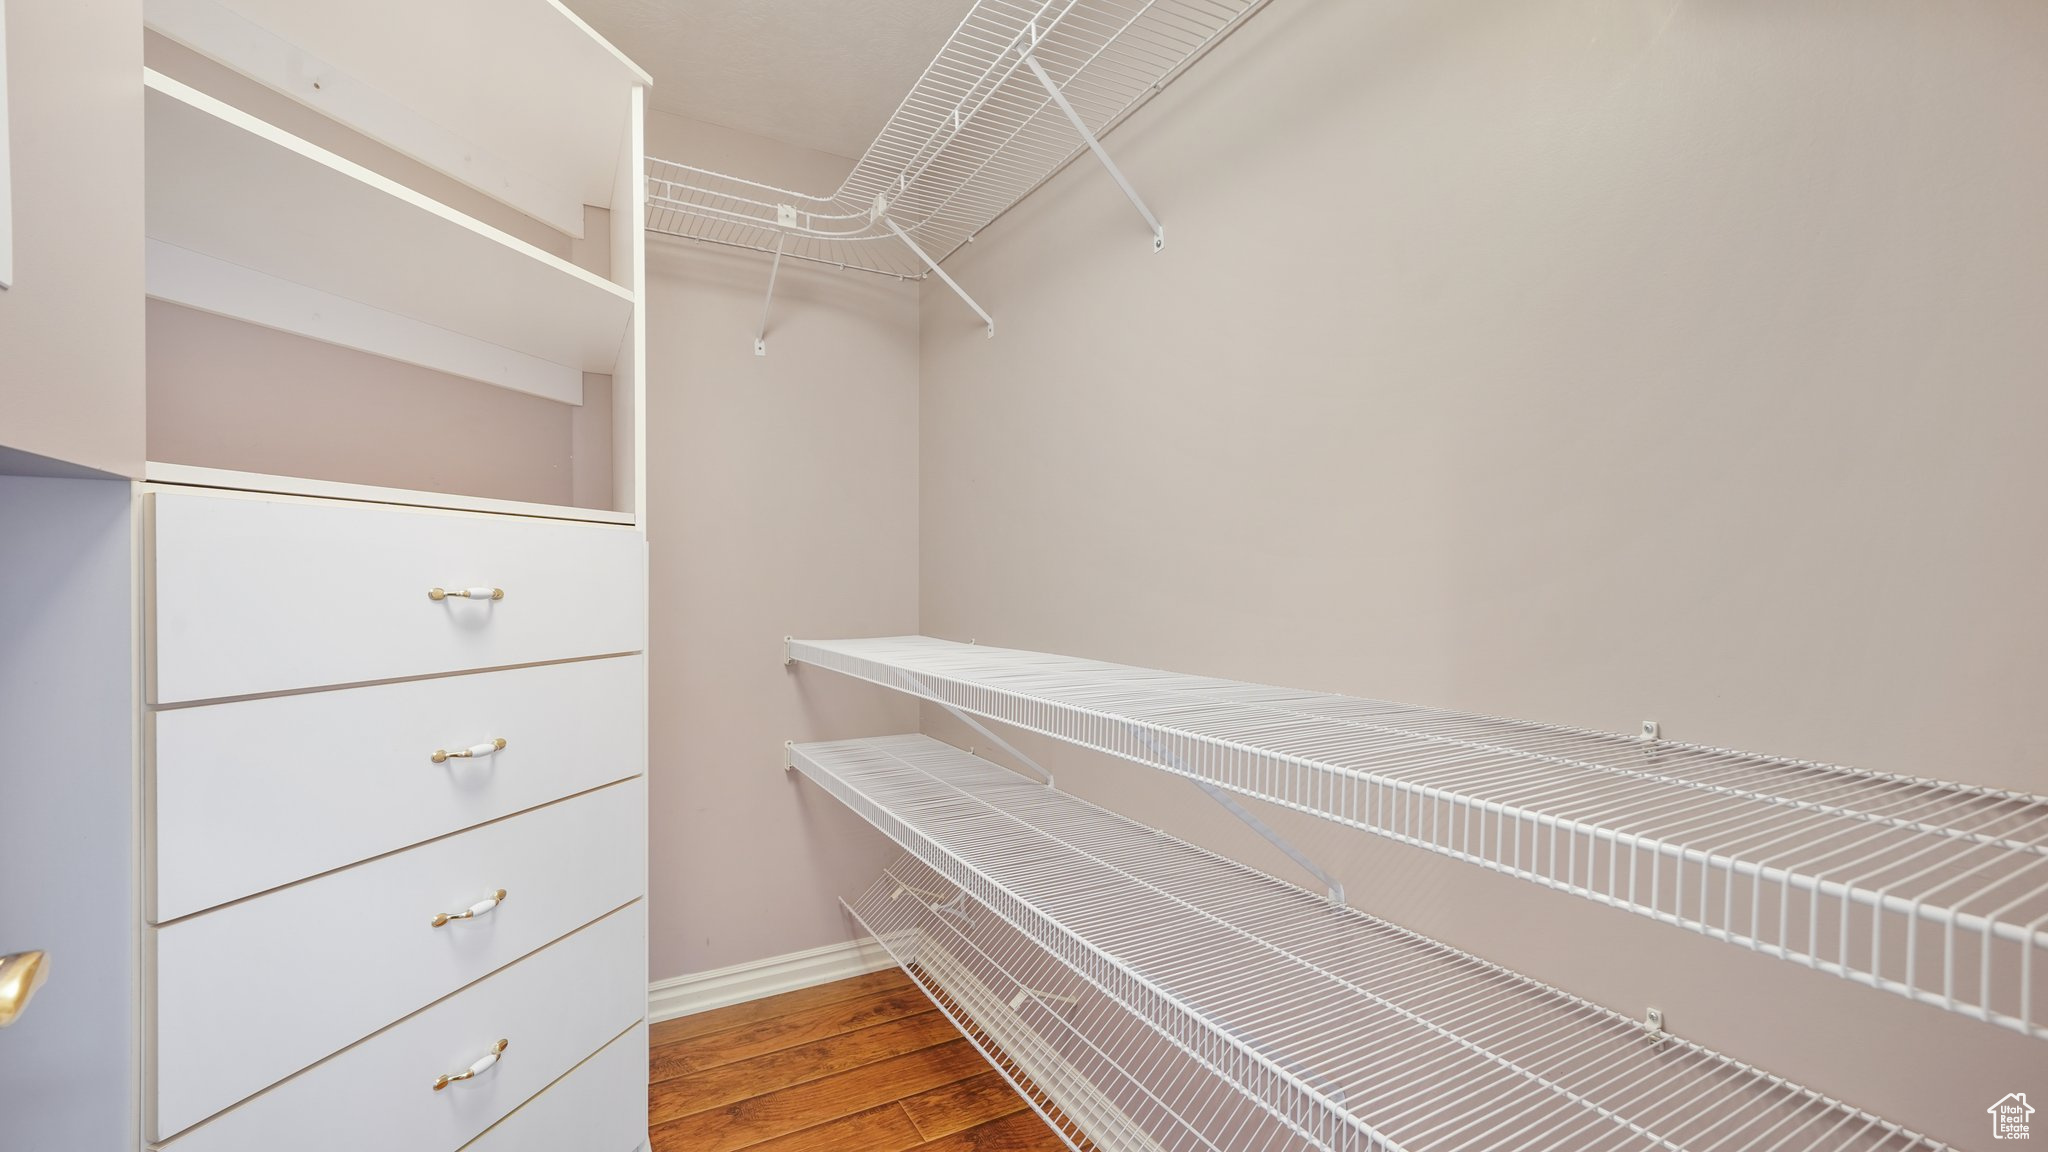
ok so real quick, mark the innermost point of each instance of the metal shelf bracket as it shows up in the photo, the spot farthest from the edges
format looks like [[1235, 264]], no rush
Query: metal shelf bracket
[[1047, 998], [761, 333], [934, 266], [919, 691], [1250, 819], [1095, 146]]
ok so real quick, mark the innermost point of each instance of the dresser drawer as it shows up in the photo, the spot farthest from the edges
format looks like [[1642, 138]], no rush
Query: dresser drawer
[[554, 1008], [254, 794], [252, 596], [250, 993], [599, 1107]]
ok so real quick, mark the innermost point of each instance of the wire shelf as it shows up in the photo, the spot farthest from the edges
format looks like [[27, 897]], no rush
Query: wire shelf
[[1351, 1033], [976, 133], [1099, 1073], [1931, 890]]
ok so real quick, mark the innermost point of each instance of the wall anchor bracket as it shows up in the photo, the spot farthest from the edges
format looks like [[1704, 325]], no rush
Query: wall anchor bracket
[[1095, 146], [934, 266]]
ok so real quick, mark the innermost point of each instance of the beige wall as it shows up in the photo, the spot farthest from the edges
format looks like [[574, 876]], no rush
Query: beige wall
[[71, 326], [782, 499], [1578, 361]]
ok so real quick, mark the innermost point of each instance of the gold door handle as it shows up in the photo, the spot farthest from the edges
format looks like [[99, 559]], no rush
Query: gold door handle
[[482, 907], [442, 755], [471, 1072], [466, 593], [20, 975]]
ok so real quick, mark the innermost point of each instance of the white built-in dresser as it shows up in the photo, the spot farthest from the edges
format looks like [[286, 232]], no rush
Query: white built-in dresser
[[382, 807], [395, 827]]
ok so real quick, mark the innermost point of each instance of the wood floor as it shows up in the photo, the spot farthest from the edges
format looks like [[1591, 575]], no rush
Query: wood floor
[[863, 1065]]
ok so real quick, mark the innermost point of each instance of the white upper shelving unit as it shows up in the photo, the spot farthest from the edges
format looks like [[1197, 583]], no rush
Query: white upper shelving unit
[[1931, 890], [244, 218], [975, 134], [1192, 1002], [519, 99]]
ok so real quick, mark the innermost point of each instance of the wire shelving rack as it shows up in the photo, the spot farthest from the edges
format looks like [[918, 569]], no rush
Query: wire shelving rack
[[987, 122], [1932, 890], [1246, 1013], [1098, 1073]]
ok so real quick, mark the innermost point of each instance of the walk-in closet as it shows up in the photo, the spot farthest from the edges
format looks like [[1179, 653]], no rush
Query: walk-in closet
[[1022, 575]]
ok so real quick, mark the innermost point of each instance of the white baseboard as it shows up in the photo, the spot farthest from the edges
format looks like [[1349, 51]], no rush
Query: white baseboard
[[703, 991]]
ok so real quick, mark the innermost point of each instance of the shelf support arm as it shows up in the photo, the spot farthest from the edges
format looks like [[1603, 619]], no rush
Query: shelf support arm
[[918, 690], [940, 273], [761, 333], [1026, 992], [1250, 818], [1095, 146], [954, 908]]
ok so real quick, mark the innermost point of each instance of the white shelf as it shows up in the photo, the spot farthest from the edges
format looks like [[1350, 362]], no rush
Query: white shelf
[[1084, 1061], [520, 99], [1344, 1031], [975, 134], [1931, 890], [249, 196], [193, 476]]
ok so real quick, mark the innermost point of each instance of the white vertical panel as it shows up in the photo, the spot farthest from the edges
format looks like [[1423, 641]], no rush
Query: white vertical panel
[[67, 809], [629, 271]]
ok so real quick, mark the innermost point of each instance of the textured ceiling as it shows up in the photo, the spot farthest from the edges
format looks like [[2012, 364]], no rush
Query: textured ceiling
[[821, 74]]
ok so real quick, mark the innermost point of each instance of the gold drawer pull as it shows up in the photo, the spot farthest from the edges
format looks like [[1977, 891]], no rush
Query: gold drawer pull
[[20, 975], [471, 1072], [466, 593], [442, 755], [480, 908]]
